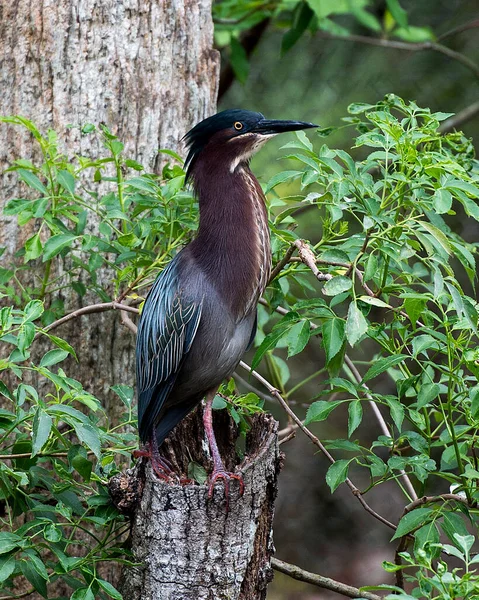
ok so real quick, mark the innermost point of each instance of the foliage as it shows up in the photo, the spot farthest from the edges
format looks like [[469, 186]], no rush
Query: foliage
[[395, 289], [60, 446], [396, 295], [297, 18]]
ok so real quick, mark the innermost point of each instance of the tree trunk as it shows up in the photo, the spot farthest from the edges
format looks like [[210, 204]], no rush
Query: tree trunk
[[193, 548], [147, 69]]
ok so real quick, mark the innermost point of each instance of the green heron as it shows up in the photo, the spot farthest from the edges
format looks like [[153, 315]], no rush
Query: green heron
[[200, 315]]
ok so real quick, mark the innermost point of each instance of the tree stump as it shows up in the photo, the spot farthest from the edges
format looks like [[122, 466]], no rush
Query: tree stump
[[192, 547]]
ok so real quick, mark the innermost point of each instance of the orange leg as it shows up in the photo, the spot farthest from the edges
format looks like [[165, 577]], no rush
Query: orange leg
[[219, 471]]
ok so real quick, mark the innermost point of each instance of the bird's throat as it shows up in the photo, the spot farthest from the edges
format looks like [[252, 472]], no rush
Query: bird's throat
[[233, 246]]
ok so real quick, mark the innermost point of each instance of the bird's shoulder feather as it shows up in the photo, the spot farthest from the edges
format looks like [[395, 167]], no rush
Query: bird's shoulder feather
[[166, 330]]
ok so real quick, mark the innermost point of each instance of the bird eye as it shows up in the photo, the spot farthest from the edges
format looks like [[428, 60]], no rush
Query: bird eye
[[238, 126]]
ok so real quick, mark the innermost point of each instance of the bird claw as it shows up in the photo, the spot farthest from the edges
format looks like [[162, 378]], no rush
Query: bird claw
[[160, 465], [226, 476]]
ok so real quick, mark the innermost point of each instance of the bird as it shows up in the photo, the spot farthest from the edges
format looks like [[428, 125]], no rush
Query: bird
[[199, 317]]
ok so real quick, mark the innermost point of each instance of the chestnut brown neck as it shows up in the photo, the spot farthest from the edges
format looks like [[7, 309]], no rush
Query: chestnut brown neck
[[232, 246]]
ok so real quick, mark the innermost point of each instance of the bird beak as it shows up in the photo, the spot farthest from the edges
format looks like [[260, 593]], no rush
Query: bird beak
[[267, 127]]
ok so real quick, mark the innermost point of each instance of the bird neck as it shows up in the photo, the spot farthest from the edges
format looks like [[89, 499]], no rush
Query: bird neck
[[232, 246]]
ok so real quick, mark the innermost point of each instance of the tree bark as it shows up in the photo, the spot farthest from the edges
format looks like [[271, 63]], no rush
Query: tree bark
[[148, 70], [193, 548]]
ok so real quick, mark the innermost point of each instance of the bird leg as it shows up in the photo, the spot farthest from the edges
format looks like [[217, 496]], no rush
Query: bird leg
[[219, 471], [159, 464]]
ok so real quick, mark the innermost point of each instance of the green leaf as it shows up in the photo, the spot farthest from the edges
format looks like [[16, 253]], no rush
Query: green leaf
[[442, 201], [320, 410], [281, 178], [337, 474], [82, 594], [32, 181], [33, 310], [452, 523], [397, 411], [437, 234], [219, 403], [56, 244], [474, 396], [66, 180], [333, 337], [125, 393], [53, 533], [355, 416], [239, 60], [301, 19], [42, 425], [32, 575], [297, 337], [52, 357], [412, 520], [415, 34], [33, 248], [427, 393], [83, 466], [88, 435], [197, 472], [398, 13], [62, 344], [423, 342], [110, 590], [7, 566], [9, 541], [383, 364], [337, 285], [324, 8], [356, 324], [414, 308]]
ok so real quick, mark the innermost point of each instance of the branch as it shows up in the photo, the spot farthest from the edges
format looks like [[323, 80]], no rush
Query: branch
[[308, 258], [382, 423], [420, 502], [274, 392], [282, 263], [86, 310], [358, 378], [462, 117], [323, 582], [407, 46], [458, 29]]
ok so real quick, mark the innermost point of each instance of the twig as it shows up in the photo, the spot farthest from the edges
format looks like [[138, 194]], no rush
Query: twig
[[86, 310], [382, 423], [439, 498], [127, 322], [377, 413], [323, 582], [282, 263], [252, 388], [22, 595], [403, 542], [407, 46], [287, 438], [308, 258], [458, 29], [355, 491], [460, 118]]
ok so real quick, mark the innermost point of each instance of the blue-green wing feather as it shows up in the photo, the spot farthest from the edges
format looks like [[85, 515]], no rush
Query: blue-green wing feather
[[166, 330]]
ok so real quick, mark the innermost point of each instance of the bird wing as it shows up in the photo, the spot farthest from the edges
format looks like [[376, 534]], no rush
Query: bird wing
[[166, 330]]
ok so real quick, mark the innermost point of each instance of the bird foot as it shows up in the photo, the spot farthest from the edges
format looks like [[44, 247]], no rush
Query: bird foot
[[160, 465], [226, 476]]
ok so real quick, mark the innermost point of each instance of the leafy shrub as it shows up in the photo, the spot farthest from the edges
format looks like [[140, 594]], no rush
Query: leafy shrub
[[394, 287]]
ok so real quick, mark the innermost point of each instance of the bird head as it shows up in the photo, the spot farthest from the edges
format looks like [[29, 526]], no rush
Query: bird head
[[234, 136]]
